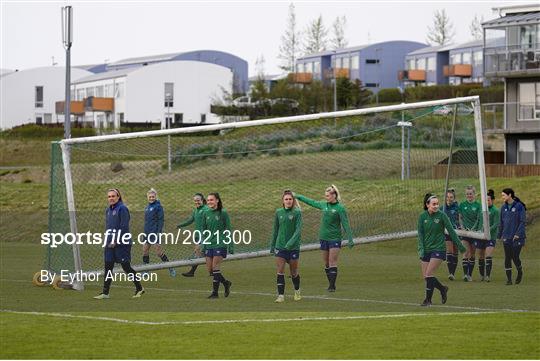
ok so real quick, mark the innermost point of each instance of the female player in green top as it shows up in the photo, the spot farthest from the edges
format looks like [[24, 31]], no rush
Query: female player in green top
[[334, 216], [216, 240], [286, 241], [196, 217], [431, 244], [470, 213]]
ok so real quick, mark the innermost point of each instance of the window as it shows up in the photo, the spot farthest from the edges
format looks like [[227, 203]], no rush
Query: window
[[355, 62], [466, 59], [119, 90], [317, 67], [529, 101], [99, 91], [337, 63], [81, 93], [477, 55], [345, 63], [203, 118], [109, 91], [300, 68], [411, 64], [431, 63], [372, 61], [39, 119], [528, 152], [372, 85], [527, 36], [309, 67], [178, 118], [421, 64], [168, 94], [90, 92], [39, 98]]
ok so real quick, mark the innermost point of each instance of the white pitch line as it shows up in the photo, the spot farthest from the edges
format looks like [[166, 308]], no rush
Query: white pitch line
[[249, 320], [328, 298]]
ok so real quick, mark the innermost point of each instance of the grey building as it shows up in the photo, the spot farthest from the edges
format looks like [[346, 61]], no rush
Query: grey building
[[512, 53], [374, 64]]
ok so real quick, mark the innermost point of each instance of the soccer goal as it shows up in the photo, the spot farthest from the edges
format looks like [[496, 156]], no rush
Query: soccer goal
[[383, 159]]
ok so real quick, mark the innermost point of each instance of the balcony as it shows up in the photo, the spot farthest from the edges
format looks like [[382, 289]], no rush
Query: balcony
[[332, 73], [76, 107], [512, 61], [458, 70], [412, 75], [95, 104], [301, 78]]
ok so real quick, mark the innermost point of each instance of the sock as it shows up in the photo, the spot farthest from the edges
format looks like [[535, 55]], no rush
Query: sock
[[146, 259], [108, 272], [438, 285], [489, 264], [429, 288], [296, 282], [215, 282], [471, 266], [332, 276], [126, 266], [482, 266], [508, 274], [193, 268], [449, 261], [164, 257], [326, 270], [454, 263], [465, 265], [280, 283]]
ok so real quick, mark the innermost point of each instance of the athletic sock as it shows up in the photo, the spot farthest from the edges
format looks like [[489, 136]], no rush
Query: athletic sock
[[482, 266], [508, 274], [215, 282], [465, 265], [296, 282], [489, 264], [146, 259], [429, 288], [454, 263], [326, 270], [438, 285], [193, 268], [108, 272], [164, 257], [126, 266], [332, 276], [280, 283], [471, 266], [449, 261]]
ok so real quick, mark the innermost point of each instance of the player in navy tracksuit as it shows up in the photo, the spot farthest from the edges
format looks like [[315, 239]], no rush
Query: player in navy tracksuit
[[117, 220], [512, 232], [154, 219]]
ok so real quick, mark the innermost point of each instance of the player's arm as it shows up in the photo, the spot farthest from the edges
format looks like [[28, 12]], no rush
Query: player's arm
[[275, 232], [188, 221], [420, 229], [160, 219], [453, 235], [346, 226], [228, 226], [520, 232], [310, 202]]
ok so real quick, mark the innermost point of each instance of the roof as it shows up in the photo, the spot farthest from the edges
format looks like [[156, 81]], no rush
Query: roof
[[273, 77], [514, 19], [344, 50], [429, 49], [105, 75], [146, 59], [514, 9], [469, 44]]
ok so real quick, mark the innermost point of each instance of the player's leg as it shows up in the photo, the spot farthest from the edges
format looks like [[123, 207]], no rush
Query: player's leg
[[481, 251], [280, 277], [146, 254], [489, 260], [161, 254], [434, 263], [333, 255], [191, 272], [508, 255], [517, 261], [293, 267], [216, 266]]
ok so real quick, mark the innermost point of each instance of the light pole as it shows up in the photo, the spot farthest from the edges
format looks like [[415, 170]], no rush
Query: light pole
[[168, 126], [67, 40]]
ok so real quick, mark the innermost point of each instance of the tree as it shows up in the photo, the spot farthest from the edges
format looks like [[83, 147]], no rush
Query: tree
[[338, 40], [259, 66], [476, 28], [442, 31], [290, 43], [316, 37]]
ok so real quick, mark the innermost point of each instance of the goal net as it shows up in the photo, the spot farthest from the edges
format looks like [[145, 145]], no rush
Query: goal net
[[383, 160]]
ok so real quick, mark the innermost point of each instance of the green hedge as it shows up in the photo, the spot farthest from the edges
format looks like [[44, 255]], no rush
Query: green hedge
[[493, 94], [45, 131], [390, 95]]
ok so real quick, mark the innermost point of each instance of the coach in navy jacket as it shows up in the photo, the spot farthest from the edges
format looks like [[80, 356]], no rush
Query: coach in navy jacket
[[153, 218], [512, 232]]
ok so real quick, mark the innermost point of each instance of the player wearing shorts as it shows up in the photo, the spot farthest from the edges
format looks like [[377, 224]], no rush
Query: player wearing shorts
[[470, 213], [485, 248]]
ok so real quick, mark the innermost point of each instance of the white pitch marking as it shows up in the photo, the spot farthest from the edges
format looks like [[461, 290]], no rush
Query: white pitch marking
[[251, 320]]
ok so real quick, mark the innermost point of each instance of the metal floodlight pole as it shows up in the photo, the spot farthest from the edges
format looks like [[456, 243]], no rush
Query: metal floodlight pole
[[403, 125], [168, 126], [67, 40]]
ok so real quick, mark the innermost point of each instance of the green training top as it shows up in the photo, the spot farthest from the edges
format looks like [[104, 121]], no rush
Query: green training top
[[471, 215], [431, 233], [494, 220], [334, 216], [287, 229], [196, 216], [218, 224]]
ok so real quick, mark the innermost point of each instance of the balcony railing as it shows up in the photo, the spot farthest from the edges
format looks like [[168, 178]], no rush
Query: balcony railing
[[301, 78], [76, 107], [527, 112], [98, 104], [509, 60], [458, 70], [332, 73], [412, 75]]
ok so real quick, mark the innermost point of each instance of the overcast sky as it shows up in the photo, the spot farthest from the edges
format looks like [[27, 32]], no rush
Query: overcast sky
[[110, 31]]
